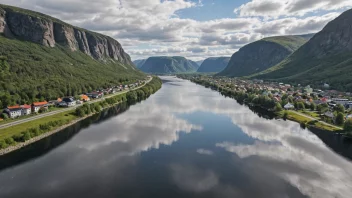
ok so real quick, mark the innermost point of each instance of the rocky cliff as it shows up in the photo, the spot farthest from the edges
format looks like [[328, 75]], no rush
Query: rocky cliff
[[324, 58], [169, 65], [261, 55], [45, 30], [215, 64]]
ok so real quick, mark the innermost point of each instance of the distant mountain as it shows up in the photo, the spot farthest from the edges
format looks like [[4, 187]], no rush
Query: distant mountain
[[169, 65], [199, 62], [215, 64], [139, 63], [263, 54], [327, 57]]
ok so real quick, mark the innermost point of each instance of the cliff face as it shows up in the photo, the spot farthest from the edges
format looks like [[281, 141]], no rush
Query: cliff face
[[168, 65], [38, 28], [214, 64]]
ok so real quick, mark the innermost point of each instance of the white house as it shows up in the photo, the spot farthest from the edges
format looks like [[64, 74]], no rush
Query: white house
[[26, 109], [289, 106], [14, 111]]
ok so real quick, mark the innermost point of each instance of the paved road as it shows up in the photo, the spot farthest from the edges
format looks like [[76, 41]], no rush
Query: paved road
[[307, 116], [3, 126]]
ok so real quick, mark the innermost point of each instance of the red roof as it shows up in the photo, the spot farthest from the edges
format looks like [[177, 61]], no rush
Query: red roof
[[40, 103], [25, 106], [14, 107]]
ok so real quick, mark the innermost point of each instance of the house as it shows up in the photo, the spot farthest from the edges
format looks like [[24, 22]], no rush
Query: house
[[54, 102], [70, 101], [95, 95], [85, 98], [62, 104], [26, 109], [289, 106], [37, 105], [329, 114], [342, 101], [13, 111]]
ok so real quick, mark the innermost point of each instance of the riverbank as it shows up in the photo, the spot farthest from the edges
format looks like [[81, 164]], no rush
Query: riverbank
[[16, 137], [270, 105]]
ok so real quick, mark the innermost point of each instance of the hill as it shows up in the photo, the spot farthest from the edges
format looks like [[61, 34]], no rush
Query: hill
[[139, 63], [327, 57], [199, 62], [169, 65], [44, 58], [261, 55], [215, 64]]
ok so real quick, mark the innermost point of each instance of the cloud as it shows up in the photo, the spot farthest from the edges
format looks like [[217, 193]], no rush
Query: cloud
[[154, 27], [277, 8], [205, 152]]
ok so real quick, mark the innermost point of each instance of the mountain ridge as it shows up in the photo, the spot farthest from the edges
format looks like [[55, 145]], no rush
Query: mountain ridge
[[262, 54], [169, 65], [324, 58], [214, 64]]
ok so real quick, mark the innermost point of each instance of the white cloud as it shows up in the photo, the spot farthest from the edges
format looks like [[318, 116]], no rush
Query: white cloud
[[152, 27], [277, 8]]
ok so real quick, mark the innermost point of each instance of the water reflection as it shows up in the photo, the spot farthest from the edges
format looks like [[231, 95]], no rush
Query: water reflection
[[184, 141]]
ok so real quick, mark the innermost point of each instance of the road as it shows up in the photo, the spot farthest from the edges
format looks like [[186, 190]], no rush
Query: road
[[62, 110], [310, 117]]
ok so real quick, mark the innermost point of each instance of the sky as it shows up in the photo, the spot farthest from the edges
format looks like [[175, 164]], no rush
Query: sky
[[196, 29]]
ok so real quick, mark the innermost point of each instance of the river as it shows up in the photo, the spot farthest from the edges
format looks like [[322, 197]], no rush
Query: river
[[184, 141]]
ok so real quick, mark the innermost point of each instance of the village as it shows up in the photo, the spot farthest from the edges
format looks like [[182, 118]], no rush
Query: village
[[319, 103], [25, 110]]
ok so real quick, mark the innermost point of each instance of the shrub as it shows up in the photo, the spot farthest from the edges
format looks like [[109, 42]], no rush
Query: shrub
[[9, 141], [3, 144]]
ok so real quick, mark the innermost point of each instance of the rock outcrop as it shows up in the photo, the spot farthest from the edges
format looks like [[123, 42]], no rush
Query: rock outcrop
[[45, 30]]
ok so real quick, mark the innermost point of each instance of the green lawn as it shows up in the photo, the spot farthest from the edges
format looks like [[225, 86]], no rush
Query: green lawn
[[311, 113], [291, 115], [10, 131]]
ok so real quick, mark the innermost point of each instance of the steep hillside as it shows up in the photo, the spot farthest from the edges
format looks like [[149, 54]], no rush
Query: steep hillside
[[327, 57], [261, 55], [139, 63], [169, 65], [199, 62], [215, 64], [44, 58]]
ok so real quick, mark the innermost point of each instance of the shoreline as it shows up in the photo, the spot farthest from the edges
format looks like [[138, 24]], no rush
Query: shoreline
[[40, 137], [20, 145]]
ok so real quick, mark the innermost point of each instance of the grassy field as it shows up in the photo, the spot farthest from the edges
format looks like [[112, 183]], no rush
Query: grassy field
[[10, 131], [291, 115], [310, 113]]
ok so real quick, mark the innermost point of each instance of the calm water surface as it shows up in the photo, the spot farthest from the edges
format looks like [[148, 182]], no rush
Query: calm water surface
[[184, 141]]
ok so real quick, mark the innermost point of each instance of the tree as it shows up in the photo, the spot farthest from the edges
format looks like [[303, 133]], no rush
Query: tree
[[42, 110], [300, 105], [339, 119], [312, 106], [80, 112], [348, 125], [340, 108], [285, 115], [278, 107], [4, 116]]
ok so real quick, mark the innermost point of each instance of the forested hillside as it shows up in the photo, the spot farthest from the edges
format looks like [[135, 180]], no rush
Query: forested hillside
[[42, 58]]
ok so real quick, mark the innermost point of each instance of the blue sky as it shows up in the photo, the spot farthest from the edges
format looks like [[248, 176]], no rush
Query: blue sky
[[196, 29]]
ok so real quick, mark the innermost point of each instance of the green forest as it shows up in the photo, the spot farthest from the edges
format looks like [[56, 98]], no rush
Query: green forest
[[31, 72]]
